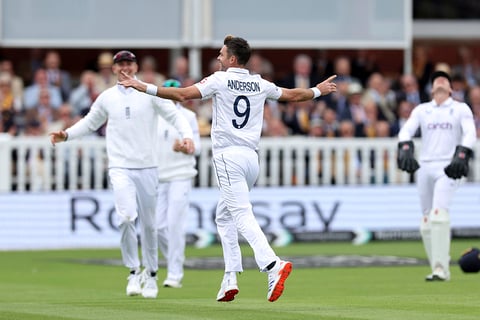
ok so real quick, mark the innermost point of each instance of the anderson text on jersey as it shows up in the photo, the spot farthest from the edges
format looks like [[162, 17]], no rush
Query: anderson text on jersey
[[243, 86]]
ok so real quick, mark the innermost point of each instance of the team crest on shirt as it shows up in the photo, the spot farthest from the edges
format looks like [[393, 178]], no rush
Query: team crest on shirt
[[203, 80]]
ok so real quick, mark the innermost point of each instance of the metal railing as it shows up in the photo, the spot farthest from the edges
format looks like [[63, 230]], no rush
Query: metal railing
[[32, 164]]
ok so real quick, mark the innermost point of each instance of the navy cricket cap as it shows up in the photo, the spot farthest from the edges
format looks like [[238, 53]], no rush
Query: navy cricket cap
[[124, 55], [470, 260], [438, 74]]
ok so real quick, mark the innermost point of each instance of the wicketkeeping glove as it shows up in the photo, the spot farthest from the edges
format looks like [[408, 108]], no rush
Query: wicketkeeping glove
[[459, 165], [405, 157]]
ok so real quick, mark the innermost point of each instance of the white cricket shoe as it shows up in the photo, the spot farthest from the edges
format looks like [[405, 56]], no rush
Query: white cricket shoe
[[228, 289], [276, 279], [438, 275], [149, 282], [171, 283], [133, 286]]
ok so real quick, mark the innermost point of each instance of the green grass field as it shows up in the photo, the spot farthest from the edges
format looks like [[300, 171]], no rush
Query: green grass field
[[56, 285]]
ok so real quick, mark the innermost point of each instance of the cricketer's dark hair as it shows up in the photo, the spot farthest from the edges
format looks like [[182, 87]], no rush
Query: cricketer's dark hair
[[239, 48]]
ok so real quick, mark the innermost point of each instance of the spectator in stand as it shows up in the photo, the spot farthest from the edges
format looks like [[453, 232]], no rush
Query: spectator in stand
[[354, 110], [180, 70], [459, 88], [404, 110], [57, 77], [272, 124], [35, 62], [302, 75], [468, 66], [62, 120], [322, 65], [422, 66], [84, 94], [371, 119], [474, 99], [105, 77], [382, 129], [34, 158], [379, 92], [296, 116], [338, 100], [6, 66], [32, 92], [44, 111], [9, 105], [343, 69], [346, 129], [363, 66], [255, 64], [148, 71], [329, 123], [410, 91]]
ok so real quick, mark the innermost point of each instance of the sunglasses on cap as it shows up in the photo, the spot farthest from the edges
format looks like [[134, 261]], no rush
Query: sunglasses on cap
[[124, 55]]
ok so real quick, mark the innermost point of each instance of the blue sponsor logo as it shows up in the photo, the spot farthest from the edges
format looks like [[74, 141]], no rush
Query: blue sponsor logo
[[440, 126]]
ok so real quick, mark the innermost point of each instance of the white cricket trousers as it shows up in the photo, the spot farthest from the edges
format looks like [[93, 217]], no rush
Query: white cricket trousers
[[434, 187], [237, 170], [135, 195], [436, 192], [172, 209]]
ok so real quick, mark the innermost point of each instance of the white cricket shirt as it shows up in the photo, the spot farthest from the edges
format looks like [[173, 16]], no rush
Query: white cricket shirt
[[238, 103], [131, 135], [174, 165], [443, 127]]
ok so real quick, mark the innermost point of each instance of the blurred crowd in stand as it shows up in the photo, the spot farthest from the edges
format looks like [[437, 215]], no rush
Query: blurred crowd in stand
[[368, 103]]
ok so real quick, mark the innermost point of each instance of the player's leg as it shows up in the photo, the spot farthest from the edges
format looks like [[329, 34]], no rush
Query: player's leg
[[241, 167], [426, 234], [125, 208], [161, 218], [441, 232], [146, 182], [425, 184], [240, 170], [179, 201], [232, 256], [440, 235], [228, 234]]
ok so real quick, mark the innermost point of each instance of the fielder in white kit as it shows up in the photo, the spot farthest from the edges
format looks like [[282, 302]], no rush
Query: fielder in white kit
[[448, 135], [238, 103], [176, 170], [131, 137]]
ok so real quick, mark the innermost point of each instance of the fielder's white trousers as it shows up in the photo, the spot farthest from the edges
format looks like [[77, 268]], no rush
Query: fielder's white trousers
[[172, 209], [436, 192], [237, 170], [434, 187], [135, 195]]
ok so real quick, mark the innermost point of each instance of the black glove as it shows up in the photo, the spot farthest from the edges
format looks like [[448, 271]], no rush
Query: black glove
[[405, 157], [459, 165]]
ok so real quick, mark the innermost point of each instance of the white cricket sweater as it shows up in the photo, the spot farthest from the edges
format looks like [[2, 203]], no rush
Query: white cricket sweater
[[443, 127], [131, 134]]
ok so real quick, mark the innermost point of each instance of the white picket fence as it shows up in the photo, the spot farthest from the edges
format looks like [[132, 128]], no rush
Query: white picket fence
[[32, 164]]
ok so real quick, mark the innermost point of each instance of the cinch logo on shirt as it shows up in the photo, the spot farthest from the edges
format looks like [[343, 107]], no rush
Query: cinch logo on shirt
[[244, 86], [440, 126]]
